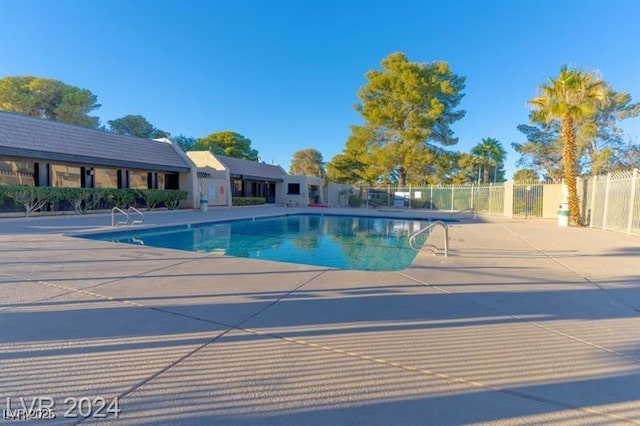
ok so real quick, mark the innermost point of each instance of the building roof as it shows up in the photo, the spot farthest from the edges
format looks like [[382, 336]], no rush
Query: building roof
[[204, 159], [237, 166], [251, 169], [24, 136]]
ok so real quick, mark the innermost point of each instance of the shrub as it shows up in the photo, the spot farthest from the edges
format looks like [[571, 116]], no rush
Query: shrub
[[172, 198], [152, 197], [31, 198], [82, 199], [121, 198], [248, 201]]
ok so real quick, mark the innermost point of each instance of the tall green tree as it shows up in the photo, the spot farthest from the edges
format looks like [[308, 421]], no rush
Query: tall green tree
[[354, 164], [601, 145], [48, 99], [464, 168], [408, 107], [543, 150], [601, 139], [307, 162], [228, 143], [572, 98], [490, 153], [186, 143], [136, 126], [526, 175]]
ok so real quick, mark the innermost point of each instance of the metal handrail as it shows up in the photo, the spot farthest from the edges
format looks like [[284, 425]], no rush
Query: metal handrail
[[471, 210], [139, 221], [412, 238], [115, 224]]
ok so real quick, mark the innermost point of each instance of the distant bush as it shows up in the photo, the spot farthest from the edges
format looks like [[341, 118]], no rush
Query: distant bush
[[355, 201], [248, 201]]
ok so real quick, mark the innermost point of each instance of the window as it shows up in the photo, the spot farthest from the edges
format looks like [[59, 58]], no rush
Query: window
[[106, 178], [138, 180], [238, 190], [293, 189], [66, 176]]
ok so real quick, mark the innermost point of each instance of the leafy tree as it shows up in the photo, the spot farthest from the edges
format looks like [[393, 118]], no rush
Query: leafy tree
[[490, 153], [136, 126], [603, 142], [228, 143], [572, 99], [464, 168], [186, 143], [526, 175], [543, 150], [307, 162], [407, 108], [354, 163], [601, 146], [48, 99]]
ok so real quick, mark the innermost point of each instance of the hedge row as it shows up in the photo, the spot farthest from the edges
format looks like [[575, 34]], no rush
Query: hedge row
[[32, 198], [247, 201]]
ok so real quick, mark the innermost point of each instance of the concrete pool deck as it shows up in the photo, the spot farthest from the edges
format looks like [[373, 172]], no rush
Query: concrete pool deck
[[524, 323]]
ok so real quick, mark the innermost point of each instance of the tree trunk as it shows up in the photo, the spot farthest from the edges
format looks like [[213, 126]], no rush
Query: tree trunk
[[402, 178], [571, 169], [485, 175]]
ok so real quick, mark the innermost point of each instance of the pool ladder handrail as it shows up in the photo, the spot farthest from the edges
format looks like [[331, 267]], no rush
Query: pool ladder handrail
[[412, 238], [126, 214], [137, 221], [115, 224]]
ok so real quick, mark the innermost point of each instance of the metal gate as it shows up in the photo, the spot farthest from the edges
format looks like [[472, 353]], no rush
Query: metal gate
[[527, 199]]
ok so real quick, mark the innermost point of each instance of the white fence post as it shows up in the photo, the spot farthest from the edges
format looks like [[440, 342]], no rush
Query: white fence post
[[594, 185], [472, 196], [507, 208], [452, 195], [431, 197], [634, 182], [490, 191], [606, 202]]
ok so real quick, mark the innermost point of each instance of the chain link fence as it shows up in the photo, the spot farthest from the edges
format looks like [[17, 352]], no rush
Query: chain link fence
[[482, 198], [609, 202]]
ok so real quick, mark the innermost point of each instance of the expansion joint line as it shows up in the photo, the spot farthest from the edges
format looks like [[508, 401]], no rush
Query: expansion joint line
[[544, 327], [572, 270], [231, 328], [70, 290], [442, 376]]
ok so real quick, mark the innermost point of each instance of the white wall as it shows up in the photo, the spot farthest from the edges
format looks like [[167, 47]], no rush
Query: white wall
[[301, 199], [187, 181], [215, 189]]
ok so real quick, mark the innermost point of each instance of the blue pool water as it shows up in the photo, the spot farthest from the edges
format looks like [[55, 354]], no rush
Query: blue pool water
[[346, 242]]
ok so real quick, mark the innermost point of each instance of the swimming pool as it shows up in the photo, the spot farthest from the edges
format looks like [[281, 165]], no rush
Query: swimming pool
[[346, 242]]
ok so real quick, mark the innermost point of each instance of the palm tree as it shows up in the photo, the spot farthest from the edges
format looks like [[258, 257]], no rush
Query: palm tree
[[490, 153], [573, 97]]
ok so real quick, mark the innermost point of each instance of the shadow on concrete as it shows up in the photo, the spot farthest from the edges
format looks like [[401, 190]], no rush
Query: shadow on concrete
[[324, 312]]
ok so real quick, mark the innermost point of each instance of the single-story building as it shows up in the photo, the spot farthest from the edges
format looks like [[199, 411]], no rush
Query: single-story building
[[221, 178], [49, 153]]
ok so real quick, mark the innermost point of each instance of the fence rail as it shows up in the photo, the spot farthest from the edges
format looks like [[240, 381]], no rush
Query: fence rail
[[613, 201], [609, 202]]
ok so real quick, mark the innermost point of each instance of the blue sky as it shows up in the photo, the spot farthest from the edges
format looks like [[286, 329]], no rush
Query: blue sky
[[285, 73]]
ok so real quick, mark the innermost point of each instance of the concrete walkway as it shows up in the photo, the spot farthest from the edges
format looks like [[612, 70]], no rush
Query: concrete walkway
[[524, 323]]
